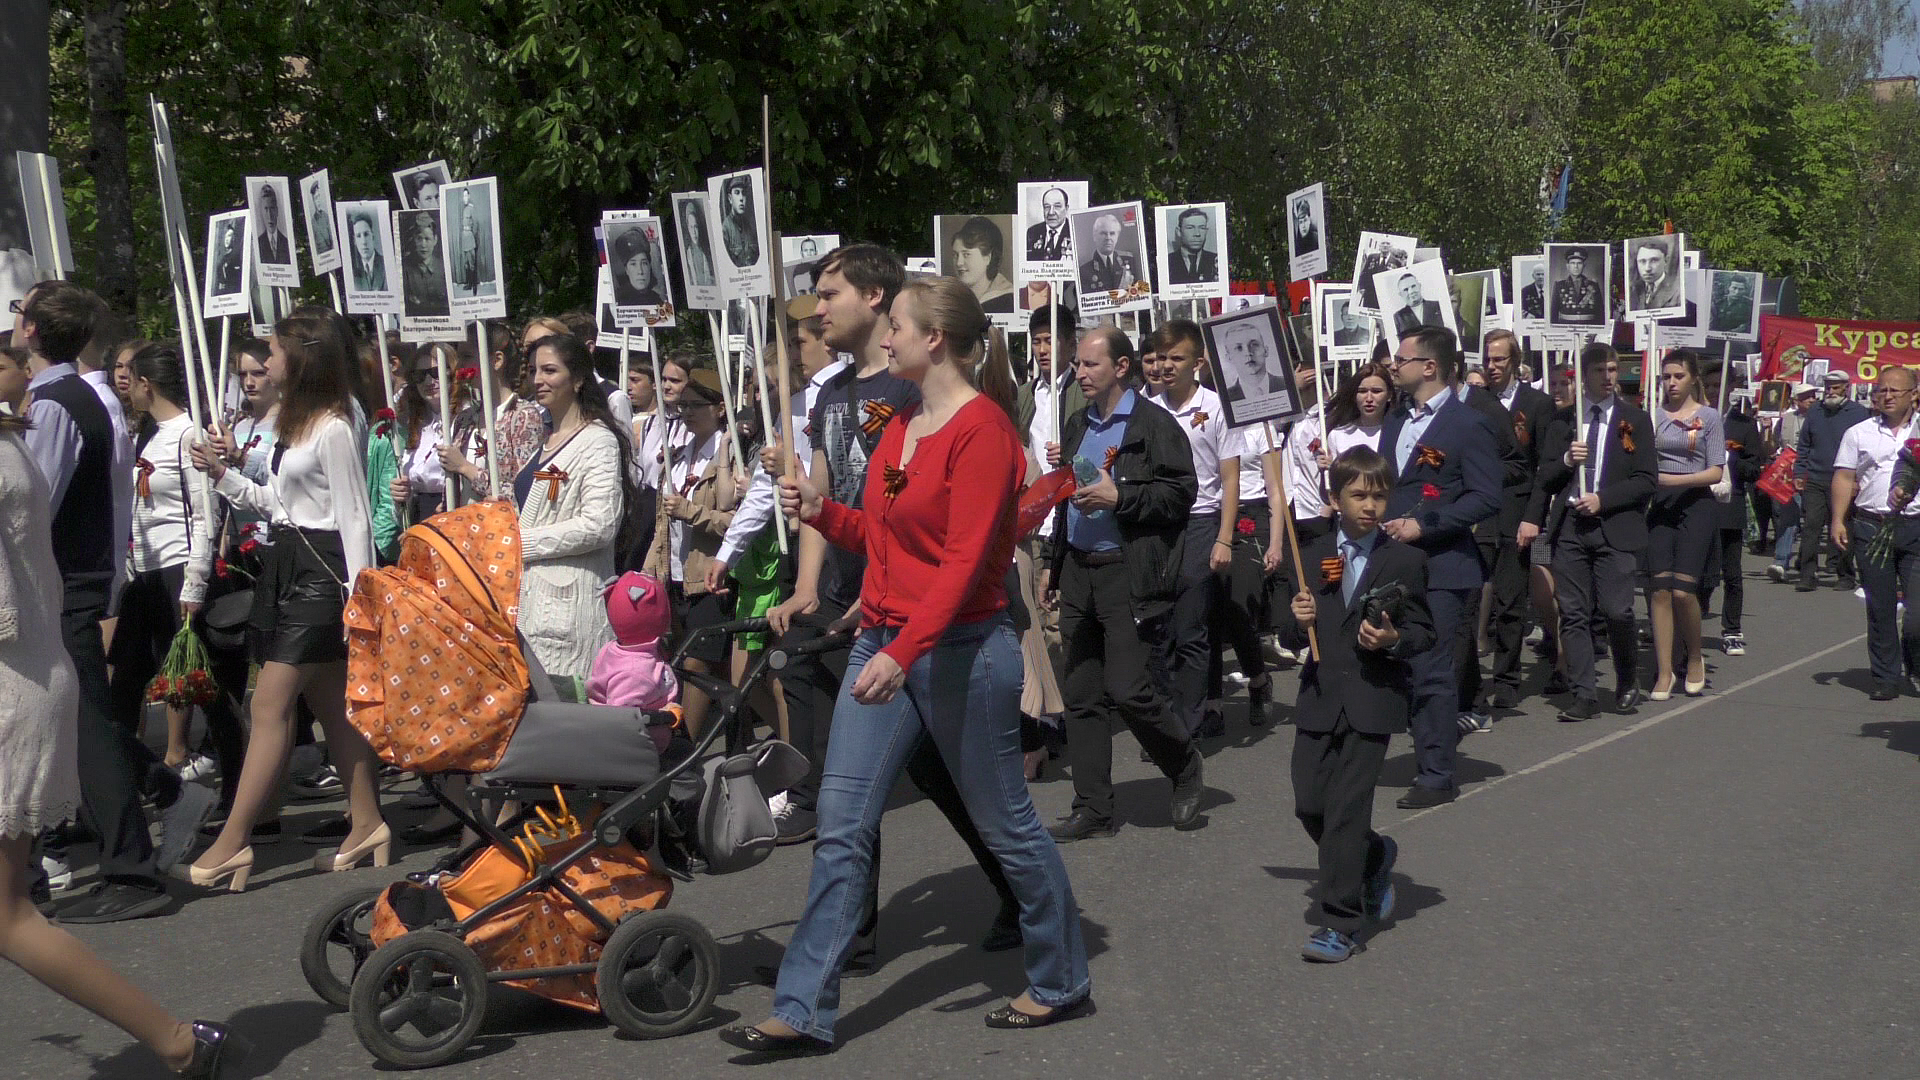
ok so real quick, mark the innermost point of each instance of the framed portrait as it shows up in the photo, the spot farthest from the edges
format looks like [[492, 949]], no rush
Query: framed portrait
[[1468, 296], [272, 231], [1656, 280], [973, 249], [1413, 297], [1346, 334], [1307, 232], [419, 186], [19, 271], [229, 264], [369, 266], [316, 208], [1378, 252], [1816, 371], [610, 335], [1110, 244], [1250, 370], [1045, 231], [1579, 284], [737, 202], [637, 261], [1733, 312], [470, 227], [800, 254], [1191, 260], [44, 203], [1773, 397], [693, 224], [1530, 292], [423, 265]]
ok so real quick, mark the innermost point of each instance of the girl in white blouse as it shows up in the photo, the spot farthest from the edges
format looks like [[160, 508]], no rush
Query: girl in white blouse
[[322, 530]]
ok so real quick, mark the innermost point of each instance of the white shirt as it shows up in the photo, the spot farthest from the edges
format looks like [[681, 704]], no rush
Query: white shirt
[[321, 483], [102, 384], [1254, 446], [1871, 449], [1204, 423], [170, 522], [1586, 432], [689, 464], [1306, 480], [422, 467]]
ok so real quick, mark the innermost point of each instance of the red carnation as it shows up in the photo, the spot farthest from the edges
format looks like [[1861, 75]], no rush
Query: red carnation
[[383, 414], [466, 374], [1429, 491], [220, 568], [1244, 526], [249, 546]]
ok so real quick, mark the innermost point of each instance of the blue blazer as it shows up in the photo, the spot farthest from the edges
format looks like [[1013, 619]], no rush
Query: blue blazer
[[1469, 479]]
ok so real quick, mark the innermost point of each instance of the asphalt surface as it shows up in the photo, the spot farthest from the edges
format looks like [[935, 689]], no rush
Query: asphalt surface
[[1716, 887]]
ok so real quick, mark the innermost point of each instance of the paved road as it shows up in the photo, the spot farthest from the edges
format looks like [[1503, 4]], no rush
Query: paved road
[[1718, 887]]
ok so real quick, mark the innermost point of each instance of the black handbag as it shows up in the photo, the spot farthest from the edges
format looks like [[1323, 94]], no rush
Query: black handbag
[[224, 619]]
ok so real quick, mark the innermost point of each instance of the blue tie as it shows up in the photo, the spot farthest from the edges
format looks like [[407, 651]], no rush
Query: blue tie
[[1593, 448], [1350, 573]]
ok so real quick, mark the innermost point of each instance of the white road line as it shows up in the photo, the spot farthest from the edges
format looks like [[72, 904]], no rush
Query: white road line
[[1631, 729]]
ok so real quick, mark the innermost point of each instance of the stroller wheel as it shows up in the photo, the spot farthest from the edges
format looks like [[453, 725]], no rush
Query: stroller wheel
[[336, 943], [419, 999], [658, 975]]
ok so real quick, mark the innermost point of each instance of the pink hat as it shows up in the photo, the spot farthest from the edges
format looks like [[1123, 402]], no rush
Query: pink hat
[[638, 608]]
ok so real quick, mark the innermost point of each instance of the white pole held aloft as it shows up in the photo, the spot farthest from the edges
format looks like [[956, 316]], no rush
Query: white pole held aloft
[[192, 289], [446, 413], [491, 446], [766, 412]]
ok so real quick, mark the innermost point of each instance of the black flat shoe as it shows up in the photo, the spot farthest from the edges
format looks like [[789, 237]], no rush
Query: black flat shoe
[[328, 833], [217, 1052], [422, 836], [1004, 934], [750, 1038], [1006, 1016]]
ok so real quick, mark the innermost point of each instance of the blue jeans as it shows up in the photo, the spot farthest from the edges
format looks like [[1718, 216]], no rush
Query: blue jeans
[[1787, 530], [965, 695]]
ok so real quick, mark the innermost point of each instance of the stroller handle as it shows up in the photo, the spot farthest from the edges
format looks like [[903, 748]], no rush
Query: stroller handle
[[738, 626], [778, 659]]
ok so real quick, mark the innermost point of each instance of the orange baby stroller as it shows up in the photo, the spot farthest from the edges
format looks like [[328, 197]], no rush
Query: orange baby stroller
[[566, 900]]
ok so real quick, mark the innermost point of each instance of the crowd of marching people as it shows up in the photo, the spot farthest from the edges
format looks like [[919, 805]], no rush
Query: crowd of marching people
[[1447, 521]]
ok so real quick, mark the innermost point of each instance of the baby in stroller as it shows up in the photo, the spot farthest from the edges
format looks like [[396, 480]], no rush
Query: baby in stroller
[[629, 670]]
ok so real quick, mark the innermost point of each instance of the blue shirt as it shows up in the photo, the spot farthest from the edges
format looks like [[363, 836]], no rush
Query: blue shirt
[[1419, 416], [1355, 552], [54, 439], [1104, 433]]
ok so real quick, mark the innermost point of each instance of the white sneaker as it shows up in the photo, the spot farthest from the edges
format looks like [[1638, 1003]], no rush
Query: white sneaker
[[795, 825], [1776, 572], [777, 805], [180, 823], [197, 767], [59, 874]]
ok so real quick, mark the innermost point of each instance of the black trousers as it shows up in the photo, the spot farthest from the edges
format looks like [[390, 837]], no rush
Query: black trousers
[[1334, 774], [1241, 608], [1816, 514], [1507, 619], [1723, 568], [115, 766], [1109, 659], [1763, 505], [1186, 651], [1594, 582]]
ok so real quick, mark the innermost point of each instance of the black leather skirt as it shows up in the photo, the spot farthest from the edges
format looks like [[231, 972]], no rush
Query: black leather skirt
[[299, 601]]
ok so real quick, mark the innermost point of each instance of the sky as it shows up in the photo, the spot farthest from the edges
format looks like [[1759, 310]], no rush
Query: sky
[[1903, 56]]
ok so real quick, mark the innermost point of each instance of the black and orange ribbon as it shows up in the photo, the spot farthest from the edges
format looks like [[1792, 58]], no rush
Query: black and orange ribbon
[[1522, 434], [878, 413], [895, 480], [1112, 453], [145, 484], [1626, 435], [554, 478], [1428, 455], [1200, 419], [1332, 569]]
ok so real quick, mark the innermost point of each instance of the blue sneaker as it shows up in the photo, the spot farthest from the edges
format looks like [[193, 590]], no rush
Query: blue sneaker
[[1377, 894], [1328, 946]]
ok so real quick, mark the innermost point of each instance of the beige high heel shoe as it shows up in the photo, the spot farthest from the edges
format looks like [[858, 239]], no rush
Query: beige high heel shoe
[[234, 872], [379, 844]]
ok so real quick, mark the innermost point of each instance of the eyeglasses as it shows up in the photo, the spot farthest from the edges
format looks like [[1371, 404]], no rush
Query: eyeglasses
[[18, 305], [1401, 361], [424, 374]]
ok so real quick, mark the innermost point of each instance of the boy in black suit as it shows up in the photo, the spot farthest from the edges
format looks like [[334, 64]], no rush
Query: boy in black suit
[[1368, 608]]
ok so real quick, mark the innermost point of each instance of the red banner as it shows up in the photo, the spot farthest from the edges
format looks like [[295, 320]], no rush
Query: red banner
[[1858, 348]]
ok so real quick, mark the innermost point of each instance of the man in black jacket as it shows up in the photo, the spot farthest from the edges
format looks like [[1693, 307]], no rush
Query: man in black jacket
[[1116, 562], [1820, 432], [1529, 412]]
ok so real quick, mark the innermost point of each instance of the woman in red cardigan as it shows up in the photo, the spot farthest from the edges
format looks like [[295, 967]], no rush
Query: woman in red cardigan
[[936, 652]]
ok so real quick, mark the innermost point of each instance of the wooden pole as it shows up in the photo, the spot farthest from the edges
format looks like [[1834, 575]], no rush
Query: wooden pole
[[1054, 292], [487, 423], [46, 199], [1293, 538], [626, 358], [219, 394], [1579, 418], [1726, 375], [766, 417], [722, 361]]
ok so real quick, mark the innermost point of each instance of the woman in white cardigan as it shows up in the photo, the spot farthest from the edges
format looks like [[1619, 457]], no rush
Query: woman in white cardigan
[[573, 496]]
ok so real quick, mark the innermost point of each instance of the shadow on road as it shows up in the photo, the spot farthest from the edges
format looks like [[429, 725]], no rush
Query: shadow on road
[[1901, 735], [275, 1030], [1410, 897], [1860, 679], [1400, 771]]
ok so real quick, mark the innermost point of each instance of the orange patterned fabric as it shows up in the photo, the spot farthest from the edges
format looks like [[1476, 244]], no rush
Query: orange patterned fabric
[[435, 677]]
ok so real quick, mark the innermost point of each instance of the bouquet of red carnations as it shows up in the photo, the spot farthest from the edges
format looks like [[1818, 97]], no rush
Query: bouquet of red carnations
[[1900, 492], [184, 680]]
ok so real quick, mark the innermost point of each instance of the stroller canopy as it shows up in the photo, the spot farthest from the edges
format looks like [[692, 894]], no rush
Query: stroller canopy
[[435, 677]]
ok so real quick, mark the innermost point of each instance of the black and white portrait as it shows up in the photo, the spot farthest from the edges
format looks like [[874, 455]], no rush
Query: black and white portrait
[[1111, 246], [1250, 369], [1468, 293], [1344, 333], [1045, 229], [799, 257], [316, 209], [46, 213], [368, 266], [1578, 286], [637, 267], [1192, 252], [469, 224], [1378, 252], [419, 187], [228, 264], [744, 264], [423, 265], [1735, 307], [18, 273], [972, 248], [1415, 296], [272, 231], [1530, 291], [611, 334], [696, 250], [1306, 232], [1656, 282]]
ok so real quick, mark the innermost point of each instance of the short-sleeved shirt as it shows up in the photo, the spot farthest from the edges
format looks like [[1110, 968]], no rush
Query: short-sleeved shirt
[[1205, 424], [845, 424], [1693, 445], [1872, 449], [1104, 434]]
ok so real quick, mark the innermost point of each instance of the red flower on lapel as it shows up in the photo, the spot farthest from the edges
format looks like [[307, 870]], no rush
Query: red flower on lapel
[[1244, 526], [1429, 491]]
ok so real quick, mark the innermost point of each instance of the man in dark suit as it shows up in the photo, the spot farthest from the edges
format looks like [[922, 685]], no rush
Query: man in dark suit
[[1347, 328], [1530, 412], [1049, 240], [1533, 296], [1306, 234], [1598, 471], [1190, 263], [1109, 268], [271, 247], [226, 272], [1354, 695], [1492, 536], [1447, 479], [1415, 311], [1251, 374]]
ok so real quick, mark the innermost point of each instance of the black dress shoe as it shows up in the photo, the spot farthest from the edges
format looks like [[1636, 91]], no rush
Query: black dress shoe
[[1581, 709], [1081, 825], [217, 1052], [1502, 698], [748, 1037], [1259, 700], [1006, 1016], [1187, 791], [1627, 701], [423, 836], [328, 833], [1884, 692], [1004, 934], [1557, 684], [1419, 798], [114, 901]]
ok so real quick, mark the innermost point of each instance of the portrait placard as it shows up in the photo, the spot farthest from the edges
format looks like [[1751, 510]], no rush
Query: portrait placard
[[922, 266], [800, 255], [45, 204], [973, 248], [419, 186], [1110, 243], [1530, 292], [1250, 370], [1467, 294], [1656, 280], [1192, 255], [1773, 397], [637, 261], [744, 263], [1415, 296], [1046, 250], [1307, 232], [316, 207], [19, 271], [371, 277], [470, 227], [229, 264], [1378, 252], [694, 226], [1580, 283], [271, 230], [172, 209], [610, 335], [1733, 313], [426, 311], [1346, 334]]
